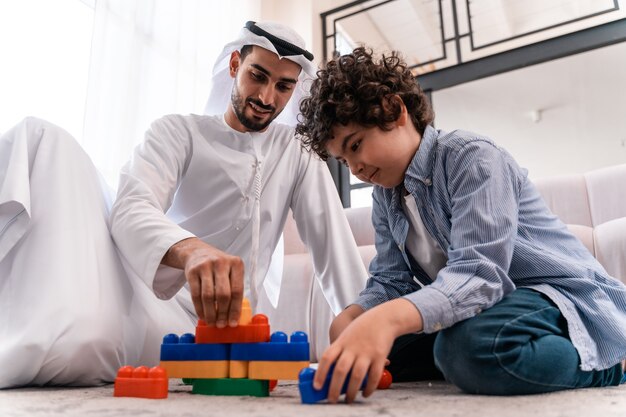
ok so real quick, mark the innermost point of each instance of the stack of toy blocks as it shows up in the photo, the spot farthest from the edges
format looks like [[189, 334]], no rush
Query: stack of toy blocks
[[235, 360]]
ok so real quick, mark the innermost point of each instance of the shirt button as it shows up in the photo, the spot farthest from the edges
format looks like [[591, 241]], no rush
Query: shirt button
[[437, 327], [428, 182]]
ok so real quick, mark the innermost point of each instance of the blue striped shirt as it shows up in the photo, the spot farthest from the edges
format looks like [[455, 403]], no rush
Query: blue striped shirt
[[498, 233]]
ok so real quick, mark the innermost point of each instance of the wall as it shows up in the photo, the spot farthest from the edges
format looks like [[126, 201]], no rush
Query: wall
[[581, 101]]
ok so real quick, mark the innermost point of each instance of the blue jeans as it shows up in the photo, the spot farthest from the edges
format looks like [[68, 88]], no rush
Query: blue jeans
[[519, 346]]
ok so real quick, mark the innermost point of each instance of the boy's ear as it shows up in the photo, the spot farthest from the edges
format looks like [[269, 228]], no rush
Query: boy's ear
[[403, 117], [235, 60]]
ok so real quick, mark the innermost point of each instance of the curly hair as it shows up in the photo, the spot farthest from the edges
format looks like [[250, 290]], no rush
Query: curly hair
[[356, 88]]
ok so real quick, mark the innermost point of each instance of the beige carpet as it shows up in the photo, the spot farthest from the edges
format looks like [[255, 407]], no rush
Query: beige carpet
[[435, 399]]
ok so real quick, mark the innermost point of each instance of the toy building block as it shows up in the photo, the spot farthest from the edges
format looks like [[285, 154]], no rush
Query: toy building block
[[246, 312], [227, 386], [257, 331], [238, 369], [141, 382], [281, 370], [385, 380], [185, 349], [310, 395], [196, 369], [277, 349]]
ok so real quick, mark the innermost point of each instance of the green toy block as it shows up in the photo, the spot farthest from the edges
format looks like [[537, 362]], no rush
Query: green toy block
[[228, 386]]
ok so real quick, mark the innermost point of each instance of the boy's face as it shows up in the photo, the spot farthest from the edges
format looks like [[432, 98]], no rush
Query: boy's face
[[263, 86], [373, 155]]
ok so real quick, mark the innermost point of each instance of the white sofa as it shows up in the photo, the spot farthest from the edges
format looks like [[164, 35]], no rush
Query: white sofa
[[593, 206]]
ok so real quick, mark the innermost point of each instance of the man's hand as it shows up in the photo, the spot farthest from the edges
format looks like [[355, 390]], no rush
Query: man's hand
[[363, 346], [215, 280]]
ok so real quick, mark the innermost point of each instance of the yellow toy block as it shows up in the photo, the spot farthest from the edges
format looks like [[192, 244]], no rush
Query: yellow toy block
[[283, 370], [238, 369], [196, 369]]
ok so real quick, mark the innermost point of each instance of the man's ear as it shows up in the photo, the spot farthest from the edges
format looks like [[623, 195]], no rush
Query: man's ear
[[235, 60]]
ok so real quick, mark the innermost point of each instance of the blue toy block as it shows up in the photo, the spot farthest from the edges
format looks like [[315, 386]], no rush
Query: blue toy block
[[310, 395], [185, 349], [277, 349]]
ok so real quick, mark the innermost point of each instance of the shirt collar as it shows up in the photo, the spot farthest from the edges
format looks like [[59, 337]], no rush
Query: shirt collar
[[421, 166]]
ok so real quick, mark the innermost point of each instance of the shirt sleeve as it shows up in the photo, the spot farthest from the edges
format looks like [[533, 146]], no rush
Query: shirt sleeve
[[147, 186], [324, 229], [484, 188], [390, 276]]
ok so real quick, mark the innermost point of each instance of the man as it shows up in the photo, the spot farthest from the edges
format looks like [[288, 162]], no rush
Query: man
[[202, 202]]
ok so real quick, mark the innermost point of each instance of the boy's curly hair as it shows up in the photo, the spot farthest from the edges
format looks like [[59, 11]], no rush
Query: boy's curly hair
[[356, 88]]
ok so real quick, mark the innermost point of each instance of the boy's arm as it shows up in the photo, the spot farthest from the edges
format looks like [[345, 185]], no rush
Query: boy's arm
[[362, 348], [343, 319], [483, 184], [390, 276]]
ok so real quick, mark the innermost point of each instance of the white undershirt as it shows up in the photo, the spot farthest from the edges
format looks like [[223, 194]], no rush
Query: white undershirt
[[420, 244]]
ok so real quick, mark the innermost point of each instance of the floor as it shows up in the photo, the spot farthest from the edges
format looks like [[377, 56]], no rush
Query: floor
[[436, 399]]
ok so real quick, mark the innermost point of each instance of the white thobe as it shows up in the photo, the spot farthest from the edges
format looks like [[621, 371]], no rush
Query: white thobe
[[72, 310]]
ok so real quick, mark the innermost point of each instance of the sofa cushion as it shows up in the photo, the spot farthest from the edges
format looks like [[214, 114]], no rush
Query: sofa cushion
[[584, 234], [566, 196], [610, 244], [360, 220], [607, 193]]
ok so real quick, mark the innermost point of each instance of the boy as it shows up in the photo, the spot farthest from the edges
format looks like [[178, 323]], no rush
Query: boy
[[466, 249]]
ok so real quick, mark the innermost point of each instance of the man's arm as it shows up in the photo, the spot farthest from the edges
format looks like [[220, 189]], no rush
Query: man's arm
[[215, 280], [147, 238], [323, 227]]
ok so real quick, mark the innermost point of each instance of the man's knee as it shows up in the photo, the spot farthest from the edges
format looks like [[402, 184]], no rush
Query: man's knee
[[89, 353]]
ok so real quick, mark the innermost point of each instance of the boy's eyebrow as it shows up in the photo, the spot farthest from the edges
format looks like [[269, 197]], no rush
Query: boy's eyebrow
[[345, 141], [266, 72]]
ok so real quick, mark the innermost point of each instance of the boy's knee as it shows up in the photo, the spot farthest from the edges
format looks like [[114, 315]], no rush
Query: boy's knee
[[465, 357]]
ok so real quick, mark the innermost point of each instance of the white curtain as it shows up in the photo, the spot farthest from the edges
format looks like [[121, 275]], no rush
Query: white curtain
[[150, 58]]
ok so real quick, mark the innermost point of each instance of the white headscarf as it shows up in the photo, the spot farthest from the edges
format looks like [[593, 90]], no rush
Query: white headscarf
[[266, 37]]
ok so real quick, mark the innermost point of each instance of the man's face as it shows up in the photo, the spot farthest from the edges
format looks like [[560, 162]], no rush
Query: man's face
[[263, 86]]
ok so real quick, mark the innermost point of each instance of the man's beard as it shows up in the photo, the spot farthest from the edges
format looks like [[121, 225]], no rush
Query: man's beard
[[239, 106]]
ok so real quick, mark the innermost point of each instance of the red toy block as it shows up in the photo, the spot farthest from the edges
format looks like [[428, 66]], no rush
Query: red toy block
[[141, 382], [385, 380], [257, 331]]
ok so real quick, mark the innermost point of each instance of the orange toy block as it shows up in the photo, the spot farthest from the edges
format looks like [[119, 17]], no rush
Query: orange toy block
[[238, 369], [257, 331], [196, 369], [280, 370], [141, 382], [246, 312]]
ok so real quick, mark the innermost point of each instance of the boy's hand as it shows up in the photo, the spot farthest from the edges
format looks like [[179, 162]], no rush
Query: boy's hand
[[363, 346], [215, 280], [343, 319]]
